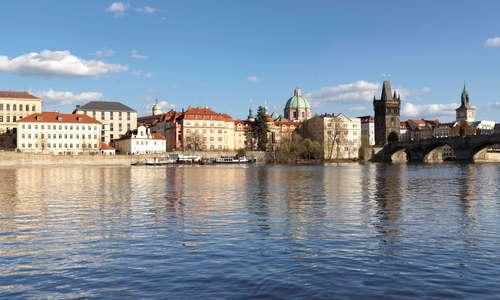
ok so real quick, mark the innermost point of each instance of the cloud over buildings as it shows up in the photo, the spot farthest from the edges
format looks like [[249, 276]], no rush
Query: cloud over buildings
[[56, 64], [63, 98], [412, 110], [359, 91]]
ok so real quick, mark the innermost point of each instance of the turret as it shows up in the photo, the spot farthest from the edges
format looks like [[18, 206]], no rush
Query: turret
[[156, 109]]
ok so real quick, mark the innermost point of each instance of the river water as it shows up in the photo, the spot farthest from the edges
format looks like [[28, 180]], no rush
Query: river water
[[349, 231]]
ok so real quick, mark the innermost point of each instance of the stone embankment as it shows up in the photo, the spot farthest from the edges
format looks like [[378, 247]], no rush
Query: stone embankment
[[10, 158]]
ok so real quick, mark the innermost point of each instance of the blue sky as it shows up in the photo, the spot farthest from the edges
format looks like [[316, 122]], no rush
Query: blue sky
[[229, 55]]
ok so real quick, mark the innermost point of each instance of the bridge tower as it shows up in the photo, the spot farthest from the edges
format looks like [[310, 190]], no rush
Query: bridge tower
[[387, 110], [465, 112]]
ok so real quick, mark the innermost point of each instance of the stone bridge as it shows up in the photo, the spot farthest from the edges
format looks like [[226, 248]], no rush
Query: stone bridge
[[467, 148]]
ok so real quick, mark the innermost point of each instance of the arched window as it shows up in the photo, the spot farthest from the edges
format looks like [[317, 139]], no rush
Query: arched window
[[8, 107], [33, 108], [27, 107], [295, 115], [303, 114], [14, 108]]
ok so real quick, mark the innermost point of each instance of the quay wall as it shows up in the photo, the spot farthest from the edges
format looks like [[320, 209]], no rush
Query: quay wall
[[11, 158]]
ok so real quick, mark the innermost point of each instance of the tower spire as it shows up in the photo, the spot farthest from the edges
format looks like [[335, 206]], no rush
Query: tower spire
[[386, 91]]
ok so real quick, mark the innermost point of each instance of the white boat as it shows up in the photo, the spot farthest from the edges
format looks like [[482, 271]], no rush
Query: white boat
[[154, 162], [232, 160]]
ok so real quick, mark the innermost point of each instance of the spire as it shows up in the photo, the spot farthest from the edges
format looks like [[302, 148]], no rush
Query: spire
[[297, 92], [386, 91], [250, 114], [465, 98]]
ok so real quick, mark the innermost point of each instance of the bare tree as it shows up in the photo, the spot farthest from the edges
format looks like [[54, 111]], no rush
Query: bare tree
[[335, 137], [195, 141]]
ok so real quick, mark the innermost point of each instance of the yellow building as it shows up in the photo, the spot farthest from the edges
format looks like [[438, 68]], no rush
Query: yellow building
[[16, 105], [116, 118]]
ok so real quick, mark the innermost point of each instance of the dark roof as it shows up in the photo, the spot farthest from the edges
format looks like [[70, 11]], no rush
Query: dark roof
[[105, 106]]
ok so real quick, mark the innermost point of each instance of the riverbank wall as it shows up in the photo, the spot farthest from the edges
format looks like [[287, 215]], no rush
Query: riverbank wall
[[11, 158]]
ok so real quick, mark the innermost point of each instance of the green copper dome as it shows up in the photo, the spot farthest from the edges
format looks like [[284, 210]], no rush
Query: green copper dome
[[297, 101]]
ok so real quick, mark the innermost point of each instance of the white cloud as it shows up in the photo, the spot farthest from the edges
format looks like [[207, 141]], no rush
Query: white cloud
[[344, 93], [493, 42], [405, 93], [253, 79], [428, 110], [146, 10], [135, 54], [62, 98], [117, 8], [104, 52], [141, 74], [56, 64], [356, 93]]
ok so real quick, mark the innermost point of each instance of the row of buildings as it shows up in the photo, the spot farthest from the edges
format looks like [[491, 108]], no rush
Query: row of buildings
[[105, 126]]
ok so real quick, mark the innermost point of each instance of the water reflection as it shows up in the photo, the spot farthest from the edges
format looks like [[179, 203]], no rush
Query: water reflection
[[332, 231], [389, 196]]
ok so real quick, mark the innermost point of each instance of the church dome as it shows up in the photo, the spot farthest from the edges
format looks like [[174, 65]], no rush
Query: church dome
[[297, 101]]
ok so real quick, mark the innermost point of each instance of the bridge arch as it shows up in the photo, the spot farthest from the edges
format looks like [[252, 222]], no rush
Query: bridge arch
[[438, 151], [479, 152]]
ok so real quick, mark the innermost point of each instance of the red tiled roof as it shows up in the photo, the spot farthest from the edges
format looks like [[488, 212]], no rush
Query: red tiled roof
[[419, 122], [159, 117], [158, 136], [105, 146], [53, 117], [12, 94], [202, 113]]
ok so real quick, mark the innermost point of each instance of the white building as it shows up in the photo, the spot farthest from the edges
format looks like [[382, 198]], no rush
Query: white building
[[368, 130], [484, 127], [52, 132], [340, 135], [141, 141]]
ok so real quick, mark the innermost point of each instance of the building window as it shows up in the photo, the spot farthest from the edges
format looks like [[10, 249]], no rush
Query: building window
[[295, 115], [33, 108], [102, 115], [20, 107], [120, 116], [27, 107], [111, 115], [1, 106], [14, 108], [128, 116]]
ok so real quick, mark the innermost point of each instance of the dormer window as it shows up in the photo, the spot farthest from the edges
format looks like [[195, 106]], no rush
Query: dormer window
[[59, 118], [38, 118]]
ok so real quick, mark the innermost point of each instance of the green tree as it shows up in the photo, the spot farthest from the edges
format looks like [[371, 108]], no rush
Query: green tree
[[260, 129]]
